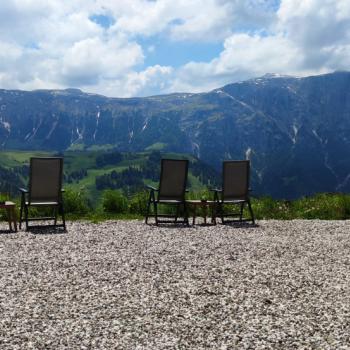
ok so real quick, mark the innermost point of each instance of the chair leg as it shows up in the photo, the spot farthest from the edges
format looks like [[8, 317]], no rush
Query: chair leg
[[26, 216], [148, 207], [14, 218], [214, 213], [21, 211], [55, 216], [221, 206], [186, 215], [147, 212], [20, 218], [177, 212], [61, 208], [9, 217], [155, 212], [194, 209], [241, 211], [251, 211]]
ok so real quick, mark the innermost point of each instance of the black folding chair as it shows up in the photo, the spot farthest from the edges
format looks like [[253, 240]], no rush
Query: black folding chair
[[235, 190], [44, 190], [172, 188]]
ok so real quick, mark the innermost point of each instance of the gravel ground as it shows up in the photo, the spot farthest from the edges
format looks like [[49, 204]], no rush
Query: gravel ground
[[126, 285]]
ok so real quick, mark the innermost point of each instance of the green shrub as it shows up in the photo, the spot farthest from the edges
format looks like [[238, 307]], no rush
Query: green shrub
[[113, 201], [204, 194], [138, 203], [269, 208], [323, 206], [75, 202]]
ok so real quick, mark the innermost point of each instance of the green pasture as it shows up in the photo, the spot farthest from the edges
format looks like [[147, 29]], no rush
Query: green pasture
[[82, 193]]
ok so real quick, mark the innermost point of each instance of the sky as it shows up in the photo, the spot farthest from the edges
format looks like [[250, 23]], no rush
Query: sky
[[124, 48]]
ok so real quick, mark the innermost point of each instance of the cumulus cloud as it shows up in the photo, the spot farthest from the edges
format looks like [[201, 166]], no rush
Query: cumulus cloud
[[151, 80], [92, 59], [306, 37], [57, 44], [320, 29], [243, 57], [97, 45], [203, 20]]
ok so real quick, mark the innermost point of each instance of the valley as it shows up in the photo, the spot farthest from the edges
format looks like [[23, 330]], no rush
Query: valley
[[294, 130], [92, 172]]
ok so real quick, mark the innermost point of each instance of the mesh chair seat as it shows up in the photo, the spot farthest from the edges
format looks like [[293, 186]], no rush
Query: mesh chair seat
[[169, 201], [42, 203], [45, 189], [233, 201], [172, 188], [235, 189]]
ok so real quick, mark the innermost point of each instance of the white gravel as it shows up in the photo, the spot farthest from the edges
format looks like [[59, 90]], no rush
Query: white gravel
[[126, 285]]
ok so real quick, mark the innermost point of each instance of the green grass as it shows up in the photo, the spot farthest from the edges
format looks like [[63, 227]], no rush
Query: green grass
[[77, 147], [10, 159], [106, 147], [82, 159], [158, 146], [79, 160], [196, 185], [132, 162], [320, 206], [323, 206]]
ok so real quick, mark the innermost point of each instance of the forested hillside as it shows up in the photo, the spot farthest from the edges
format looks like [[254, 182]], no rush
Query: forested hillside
[[295, 131]]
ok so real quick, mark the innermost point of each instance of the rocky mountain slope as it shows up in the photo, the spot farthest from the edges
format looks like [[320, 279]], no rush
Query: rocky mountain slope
[[296, 131]]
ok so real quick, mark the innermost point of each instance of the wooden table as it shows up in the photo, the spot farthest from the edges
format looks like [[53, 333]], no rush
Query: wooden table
[[205, 205], [11, 214]]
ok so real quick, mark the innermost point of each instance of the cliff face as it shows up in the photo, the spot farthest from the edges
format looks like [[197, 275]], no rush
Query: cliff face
[[296, 131]]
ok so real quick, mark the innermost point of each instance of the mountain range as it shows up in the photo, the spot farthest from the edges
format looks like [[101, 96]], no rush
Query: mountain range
[[295, 131]]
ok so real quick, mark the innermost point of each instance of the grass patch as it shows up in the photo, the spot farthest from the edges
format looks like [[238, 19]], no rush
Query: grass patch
[[158, 146], [323, 206], [117, 207], [16, 158]]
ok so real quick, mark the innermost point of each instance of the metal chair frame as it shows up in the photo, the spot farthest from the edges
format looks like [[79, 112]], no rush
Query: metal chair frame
[[28, 200], [240, 199], [157, 197]]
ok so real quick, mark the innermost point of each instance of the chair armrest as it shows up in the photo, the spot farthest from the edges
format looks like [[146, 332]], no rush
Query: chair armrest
[[215, 190], [151, 188], [23, 190]]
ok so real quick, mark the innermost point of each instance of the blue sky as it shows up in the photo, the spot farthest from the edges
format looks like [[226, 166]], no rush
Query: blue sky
[[128, 48]]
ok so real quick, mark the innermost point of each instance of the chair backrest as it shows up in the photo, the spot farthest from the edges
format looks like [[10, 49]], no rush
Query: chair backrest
[[173, 179], [45, 179], [235, 179]]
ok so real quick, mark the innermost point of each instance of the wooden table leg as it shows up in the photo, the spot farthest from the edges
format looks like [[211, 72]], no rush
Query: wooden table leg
[[11, 218], [213, 214], [194, 215], [205, 214], [14, 218]]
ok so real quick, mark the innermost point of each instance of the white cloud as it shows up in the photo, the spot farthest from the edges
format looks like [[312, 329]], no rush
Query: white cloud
[[243, 57], [92, 59], [196, 24], [314, 24], [56, 44], [8, 53], [320, 29], [150, 81], [307, 37], [203, 20]]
